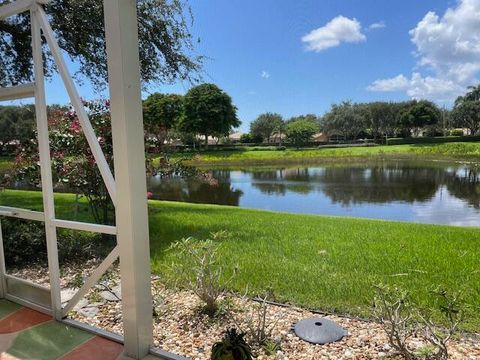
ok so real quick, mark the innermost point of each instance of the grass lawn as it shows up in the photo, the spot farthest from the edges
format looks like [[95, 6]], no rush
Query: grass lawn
[[322, 262], [5, 163], [464, 151]]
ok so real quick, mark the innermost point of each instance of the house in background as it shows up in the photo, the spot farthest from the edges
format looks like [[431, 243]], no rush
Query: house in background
[[320, 138], [235, 136]]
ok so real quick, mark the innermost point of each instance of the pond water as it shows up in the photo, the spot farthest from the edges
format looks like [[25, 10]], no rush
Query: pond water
[[433, 192]]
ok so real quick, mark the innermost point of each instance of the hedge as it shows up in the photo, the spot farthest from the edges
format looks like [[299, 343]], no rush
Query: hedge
[[432, 140]]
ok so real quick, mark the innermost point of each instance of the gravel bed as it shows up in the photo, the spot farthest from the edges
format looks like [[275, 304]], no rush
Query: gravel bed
[[180, 326]]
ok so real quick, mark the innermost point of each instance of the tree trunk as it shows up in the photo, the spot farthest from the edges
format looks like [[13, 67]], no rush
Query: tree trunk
[[206, 141]]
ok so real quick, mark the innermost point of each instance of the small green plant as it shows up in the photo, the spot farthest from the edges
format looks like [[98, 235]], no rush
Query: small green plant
[[271, 347], [158, 306], [196, 266], [402, 319], [77, 281], [95, 297], [232, 347]]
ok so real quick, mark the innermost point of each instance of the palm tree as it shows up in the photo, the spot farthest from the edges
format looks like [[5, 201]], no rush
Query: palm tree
[[473, 94]]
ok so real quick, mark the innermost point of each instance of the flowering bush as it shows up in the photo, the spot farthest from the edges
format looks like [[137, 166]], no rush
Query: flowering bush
[[73, 164]]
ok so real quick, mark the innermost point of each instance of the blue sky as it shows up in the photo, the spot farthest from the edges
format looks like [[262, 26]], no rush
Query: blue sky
[[296, 57]]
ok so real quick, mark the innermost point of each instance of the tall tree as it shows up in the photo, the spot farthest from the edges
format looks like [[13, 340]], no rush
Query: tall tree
[[380, 118], [345, 119], [300, 132], [466, 114], [208, 110], [17, 123], [473, 94], [265, 125], [420, 114], [161, 113], [165, 40]]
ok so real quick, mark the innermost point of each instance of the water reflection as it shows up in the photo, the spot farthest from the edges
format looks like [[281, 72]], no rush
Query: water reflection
[[423, 192], [465, 184], [195, 191], [379, 184]]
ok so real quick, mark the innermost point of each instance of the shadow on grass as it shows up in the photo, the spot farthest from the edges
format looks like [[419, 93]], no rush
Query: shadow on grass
[[171, 222]]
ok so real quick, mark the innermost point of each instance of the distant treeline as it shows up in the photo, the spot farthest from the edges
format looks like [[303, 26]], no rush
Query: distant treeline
[[348, 121]]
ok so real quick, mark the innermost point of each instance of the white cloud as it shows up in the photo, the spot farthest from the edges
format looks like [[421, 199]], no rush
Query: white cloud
[[336, 31], [448, 48], [265, 75], [377, 25], [434, 88], [396, 83]]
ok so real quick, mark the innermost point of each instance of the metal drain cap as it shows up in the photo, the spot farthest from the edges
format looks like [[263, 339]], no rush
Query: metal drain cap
[[319, 330]]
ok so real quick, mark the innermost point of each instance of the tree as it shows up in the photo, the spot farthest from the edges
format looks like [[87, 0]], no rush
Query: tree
[[265, 125], [466, 114], [300, 132], [380, 118], [345, 119], [161, 113], [309, 117], [208, 110], [473, 94], [165, 42], [17, 123], [420, 114]]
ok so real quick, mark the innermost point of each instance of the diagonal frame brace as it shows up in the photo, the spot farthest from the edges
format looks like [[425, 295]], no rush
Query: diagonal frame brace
[[92, 280], [77, 103]]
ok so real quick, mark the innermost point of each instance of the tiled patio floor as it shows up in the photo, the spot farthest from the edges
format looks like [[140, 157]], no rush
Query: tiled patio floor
[[28, 334]]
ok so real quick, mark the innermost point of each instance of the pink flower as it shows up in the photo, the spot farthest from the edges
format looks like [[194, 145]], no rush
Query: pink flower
[[149, 195], [75, 127]]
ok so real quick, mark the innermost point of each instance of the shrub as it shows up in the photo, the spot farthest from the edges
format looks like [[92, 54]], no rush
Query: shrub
[[250, 139], [259, 326], [456, 132], [24, 243], [195, 266], [431, 140], [232, 347], [402, 319]]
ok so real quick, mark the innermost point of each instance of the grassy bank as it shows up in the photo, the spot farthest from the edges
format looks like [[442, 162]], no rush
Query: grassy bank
[[462, 151], [315, 261]]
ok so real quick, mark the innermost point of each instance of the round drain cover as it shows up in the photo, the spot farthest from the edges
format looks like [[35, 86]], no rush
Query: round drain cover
[[319, 330]]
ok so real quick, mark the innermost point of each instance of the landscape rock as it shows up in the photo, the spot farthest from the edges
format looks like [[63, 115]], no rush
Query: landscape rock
[[181, 327], [109, 296], [88, 312], [81, 304], [67, 294]]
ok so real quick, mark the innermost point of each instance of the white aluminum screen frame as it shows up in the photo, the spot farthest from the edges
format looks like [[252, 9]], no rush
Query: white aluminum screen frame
[[128, 147]]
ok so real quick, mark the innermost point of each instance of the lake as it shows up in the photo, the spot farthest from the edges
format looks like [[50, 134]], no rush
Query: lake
[[424, 192]]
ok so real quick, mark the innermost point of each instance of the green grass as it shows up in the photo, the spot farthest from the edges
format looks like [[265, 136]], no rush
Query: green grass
[[5, 163], [321, 262], [465, 151]]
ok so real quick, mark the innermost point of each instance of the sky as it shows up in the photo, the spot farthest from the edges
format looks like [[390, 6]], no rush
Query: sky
[[298, 57]]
